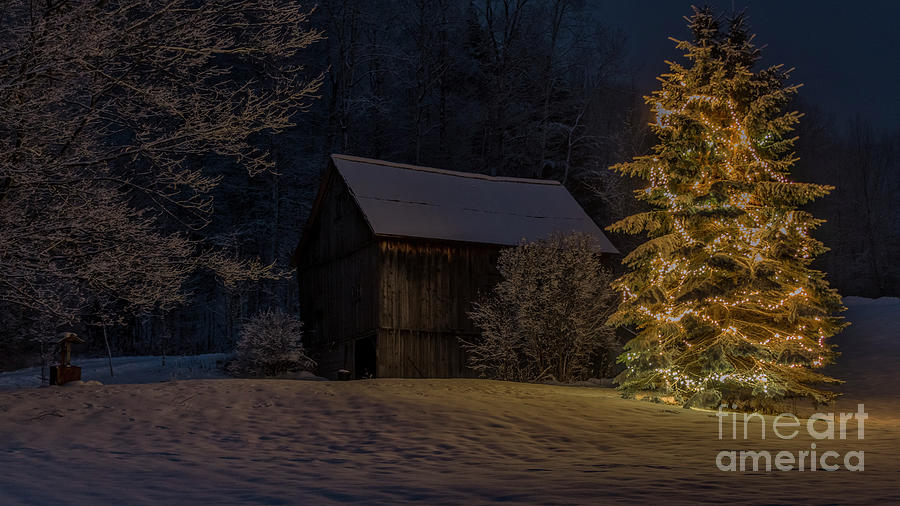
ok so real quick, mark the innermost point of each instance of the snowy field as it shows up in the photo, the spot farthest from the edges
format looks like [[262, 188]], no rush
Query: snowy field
[[438, 441]]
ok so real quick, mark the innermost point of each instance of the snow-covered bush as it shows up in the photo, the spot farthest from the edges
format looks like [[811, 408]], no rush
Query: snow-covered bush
[[547, 318], [270, 345]]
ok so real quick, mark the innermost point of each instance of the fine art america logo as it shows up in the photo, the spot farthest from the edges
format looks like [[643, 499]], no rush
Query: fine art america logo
[[820, 426]]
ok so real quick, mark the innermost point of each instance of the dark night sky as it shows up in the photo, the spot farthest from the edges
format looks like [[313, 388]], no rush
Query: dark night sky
[[845, 53]]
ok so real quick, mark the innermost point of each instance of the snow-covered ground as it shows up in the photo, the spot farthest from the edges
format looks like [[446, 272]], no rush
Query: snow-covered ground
[[870, 355], [437, 441]]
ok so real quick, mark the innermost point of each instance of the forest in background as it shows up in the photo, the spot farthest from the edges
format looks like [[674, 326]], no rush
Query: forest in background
[[502, 87]]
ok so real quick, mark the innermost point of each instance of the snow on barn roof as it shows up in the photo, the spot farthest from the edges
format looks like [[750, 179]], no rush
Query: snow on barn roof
[[401, 200]]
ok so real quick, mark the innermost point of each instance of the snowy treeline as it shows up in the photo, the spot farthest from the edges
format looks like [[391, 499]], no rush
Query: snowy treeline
[[862, 216], [534, 88]]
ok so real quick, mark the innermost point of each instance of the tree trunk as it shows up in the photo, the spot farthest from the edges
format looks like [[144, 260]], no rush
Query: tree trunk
[[108, 352]]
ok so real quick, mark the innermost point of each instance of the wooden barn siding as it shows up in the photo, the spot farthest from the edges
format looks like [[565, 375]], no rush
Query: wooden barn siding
[[426, 290], [419, 354], [337, 274], [347, 312]]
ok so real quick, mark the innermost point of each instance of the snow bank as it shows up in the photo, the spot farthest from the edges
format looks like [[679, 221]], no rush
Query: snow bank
[[869, 360], [147, 369], [854, 301]]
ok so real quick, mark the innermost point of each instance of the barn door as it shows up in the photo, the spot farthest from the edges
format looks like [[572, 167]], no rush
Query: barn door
[[364, 359]]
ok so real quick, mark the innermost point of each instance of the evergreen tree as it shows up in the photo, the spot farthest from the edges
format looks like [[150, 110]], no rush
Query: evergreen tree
[[722, 294]]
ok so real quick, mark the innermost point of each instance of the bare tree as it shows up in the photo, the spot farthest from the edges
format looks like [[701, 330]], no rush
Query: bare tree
[[110, 112], [427, 65], [504, 65], [558, 13], [874, 198]]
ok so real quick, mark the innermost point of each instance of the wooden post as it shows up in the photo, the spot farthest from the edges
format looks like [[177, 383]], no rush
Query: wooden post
[[64, 372]]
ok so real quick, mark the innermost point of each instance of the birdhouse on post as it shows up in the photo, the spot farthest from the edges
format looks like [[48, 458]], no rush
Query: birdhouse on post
[[64, 372]]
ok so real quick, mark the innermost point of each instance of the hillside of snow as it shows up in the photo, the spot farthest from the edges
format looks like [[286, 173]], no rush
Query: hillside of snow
[[458, 441]]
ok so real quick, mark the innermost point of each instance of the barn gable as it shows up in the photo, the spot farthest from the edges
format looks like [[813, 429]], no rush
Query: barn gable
[[337, 272], [334, 204]]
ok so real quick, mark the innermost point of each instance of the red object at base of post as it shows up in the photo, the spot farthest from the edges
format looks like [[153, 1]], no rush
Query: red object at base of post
[[60, 375]]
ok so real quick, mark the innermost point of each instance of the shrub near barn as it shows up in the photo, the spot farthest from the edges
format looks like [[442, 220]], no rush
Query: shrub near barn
[[546, 320], [270, 346]]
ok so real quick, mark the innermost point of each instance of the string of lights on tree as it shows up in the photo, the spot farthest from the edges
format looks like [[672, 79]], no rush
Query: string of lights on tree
[[722, 294]]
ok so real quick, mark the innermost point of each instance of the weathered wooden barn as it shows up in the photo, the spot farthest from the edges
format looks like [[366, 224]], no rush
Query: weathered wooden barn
[[393, 255]]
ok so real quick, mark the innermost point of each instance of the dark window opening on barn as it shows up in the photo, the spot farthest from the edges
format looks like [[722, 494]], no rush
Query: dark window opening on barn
[[357, 291], [364, 359]]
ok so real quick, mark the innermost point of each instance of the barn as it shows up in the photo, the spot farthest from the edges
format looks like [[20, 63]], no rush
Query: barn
[[392, 255]]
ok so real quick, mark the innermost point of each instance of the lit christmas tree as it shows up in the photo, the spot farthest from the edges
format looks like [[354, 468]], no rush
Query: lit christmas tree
[[722, 294]]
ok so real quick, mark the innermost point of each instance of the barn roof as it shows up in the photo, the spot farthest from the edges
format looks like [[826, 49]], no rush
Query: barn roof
[[401, 200]]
